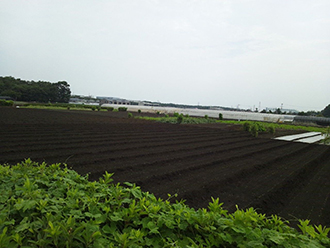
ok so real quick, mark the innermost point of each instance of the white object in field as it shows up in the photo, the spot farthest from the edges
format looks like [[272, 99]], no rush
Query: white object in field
[[310, 137]]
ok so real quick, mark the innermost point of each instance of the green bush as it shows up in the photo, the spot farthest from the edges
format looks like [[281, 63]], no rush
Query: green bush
[[180, 119], [130, 115], [6, 103], [109, 108], [220, 117], [206, 116], [247, 126], [52, 206], [260, 127], [92, 107], [254, 130], [176, 114], [257, 127], [139, 111], [123, 109], [271, 129]]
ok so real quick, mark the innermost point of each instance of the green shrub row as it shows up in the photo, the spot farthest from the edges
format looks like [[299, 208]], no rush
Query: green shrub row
[[123, 109], [67, 106], [94, 108], [6, 103], [256, 127], [53, 206], [180, 119]]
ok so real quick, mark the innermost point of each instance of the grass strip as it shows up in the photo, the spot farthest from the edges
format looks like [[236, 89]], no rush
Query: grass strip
[[265, 125]]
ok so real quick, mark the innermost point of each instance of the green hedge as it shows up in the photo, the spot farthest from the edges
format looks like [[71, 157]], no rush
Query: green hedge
[[6, 103], [179, 119], [122, 109], [53, 206], [256, 127]]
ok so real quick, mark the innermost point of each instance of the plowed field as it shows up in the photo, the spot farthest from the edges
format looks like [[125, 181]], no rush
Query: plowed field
[[276, 177]]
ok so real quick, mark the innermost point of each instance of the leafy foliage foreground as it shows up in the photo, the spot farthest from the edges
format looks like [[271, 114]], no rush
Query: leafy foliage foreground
[[53, 206]]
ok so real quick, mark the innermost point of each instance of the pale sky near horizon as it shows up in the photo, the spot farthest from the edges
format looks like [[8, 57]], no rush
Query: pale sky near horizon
[[211, 52]]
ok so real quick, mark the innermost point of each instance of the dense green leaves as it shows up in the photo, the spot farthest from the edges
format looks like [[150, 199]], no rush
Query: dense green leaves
[[52, 206], [256, 127], [123, 109], [40, 91], [6, 103], [180, 119], [326, 111]]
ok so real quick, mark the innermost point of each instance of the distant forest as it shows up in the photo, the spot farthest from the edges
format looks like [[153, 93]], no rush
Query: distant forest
[[30, 91]]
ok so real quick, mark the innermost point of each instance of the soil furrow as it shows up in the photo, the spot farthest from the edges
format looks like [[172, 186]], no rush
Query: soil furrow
[[194, 162], [317, 186], [237, 177], [105, 143], [153, 161], [218, 173], [123, 150], [291, 183]]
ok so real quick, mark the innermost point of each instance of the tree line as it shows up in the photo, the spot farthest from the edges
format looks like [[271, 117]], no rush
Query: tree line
[[31, 91]]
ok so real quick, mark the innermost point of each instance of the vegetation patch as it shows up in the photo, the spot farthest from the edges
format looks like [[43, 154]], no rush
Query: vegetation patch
[[123, 109], [62, 106], [179, 119], [53, 206], [41, 91], [326, 141], [254, 127], [6, 103]]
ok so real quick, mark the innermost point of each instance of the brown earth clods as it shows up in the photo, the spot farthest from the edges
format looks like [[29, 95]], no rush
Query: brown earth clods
[[289, 179]]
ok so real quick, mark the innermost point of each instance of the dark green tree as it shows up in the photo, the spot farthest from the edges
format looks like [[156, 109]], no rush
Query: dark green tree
[[12, 93], [278, 111], [326, 111], [31, 91], [63, 91]]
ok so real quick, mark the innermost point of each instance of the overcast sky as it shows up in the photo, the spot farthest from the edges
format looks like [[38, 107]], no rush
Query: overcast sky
[[211, 52]]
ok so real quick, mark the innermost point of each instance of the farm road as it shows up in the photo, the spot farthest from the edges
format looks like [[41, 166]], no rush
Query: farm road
[[276, 177]]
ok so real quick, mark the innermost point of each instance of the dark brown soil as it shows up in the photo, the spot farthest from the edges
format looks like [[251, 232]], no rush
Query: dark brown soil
[[197, 162]]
